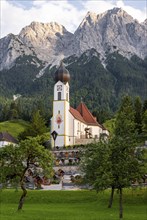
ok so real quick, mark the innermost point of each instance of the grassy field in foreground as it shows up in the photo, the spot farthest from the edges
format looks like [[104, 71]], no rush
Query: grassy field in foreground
[[72, 205], [14, 127]]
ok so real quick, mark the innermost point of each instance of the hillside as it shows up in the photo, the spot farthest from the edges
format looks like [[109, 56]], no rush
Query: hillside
[[14, 127], [106, 57]]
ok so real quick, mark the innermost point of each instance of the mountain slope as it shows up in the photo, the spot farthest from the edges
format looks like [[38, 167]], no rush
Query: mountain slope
[[106, 57], [99, 87], [114, 30], [111, 31]]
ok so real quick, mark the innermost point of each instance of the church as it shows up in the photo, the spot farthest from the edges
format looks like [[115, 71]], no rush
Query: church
[[71, 126]]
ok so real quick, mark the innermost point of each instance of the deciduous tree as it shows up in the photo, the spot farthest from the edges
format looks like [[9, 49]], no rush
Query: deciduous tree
[[17, 160], [115, 164]]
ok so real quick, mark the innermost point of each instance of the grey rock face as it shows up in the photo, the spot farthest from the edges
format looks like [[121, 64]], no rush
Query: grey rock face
[[111, 31], [114, 30]]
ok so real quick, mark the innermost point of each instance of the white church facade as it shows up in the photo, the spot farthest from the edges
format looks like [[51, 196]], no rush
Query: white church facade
[[71, 126]]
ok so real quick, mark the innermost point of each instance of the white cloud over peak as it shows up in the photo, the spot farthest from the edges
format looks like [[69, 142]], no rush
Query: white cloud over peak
[[14, 16]]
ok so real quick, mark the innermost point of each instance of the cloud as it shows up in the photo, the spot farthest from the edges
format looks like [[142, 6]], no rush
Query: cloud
[[15, 16]]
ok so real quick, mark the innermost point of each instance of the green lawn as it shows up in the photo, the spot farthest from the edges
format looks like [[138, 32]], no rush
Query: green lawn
[[14, 127], [72, 205]]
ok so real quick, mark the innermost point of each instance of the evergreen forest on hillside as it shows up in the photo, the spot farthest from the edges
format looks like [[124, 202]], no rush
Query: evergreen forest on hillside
[[101, 88]]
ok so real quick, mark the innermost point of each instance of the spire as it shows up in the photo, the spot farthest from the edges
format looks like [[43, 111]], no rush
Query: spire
[[62, 74]]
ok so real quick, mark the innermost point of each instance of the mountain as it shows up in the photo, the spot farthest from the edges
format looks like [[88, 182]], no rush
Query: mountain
[[45, 41], [114, 30], [106, 56]]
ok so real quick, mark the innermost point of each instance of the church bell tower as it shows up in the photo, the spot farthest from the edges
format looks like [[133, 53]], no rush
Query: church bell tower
[[60, 119]]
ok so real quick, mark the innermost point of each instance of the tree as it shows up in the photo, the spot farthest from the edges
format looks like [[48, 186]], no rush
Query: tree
[[96, 165], [125, 159], [144, 108], [127, 166], [125, 124], [17, 160], [37, 126], [116, 163], [144, 124], [138, 114]]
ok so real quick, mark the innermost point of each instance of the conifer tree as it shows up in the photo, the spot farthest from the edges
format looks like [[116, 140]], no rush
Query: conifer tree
[[118, 162], [126, 166], [138, 114], [37, 127]]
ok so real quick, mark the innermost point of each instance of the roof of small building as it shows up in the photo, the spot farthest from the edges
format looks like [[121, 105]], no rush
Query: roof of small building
[[76, 115], [83, 114], [86, 114], [5, 136]]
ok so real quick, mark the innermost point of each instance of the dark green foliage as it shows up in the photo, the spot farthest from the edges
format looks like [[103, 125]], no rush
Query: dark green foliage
[[102, 115], [17, 160], [138, 114], [37, 126], [144, 123], [130, 75], [144, 108], [100, 88], [23, 108], [116, 163], [96, 166], [125, 124], [89, 80]]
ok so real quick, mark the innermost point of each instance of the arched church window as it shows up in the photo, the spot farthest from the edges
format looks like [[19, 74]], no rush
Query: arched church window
[[59, 95]]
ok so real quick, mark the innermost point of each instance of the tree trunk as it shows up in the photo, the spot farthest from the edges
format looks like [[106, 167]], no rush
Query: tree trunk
[[22, 198], [120, 204], [111, 197]]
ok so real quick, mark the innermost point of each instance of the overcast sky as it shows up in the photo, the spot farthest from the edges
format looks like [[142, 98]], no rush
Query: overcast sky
[[16, 14]]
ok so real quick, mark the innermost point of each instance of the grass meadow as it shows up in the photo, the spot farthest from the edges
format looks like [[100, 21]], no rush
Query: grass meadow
[[14, 127], [73, 205]]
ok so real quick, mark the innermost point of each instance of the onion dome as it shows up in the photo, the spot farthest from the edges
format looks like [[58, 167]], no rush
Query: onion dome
[[62, 74]]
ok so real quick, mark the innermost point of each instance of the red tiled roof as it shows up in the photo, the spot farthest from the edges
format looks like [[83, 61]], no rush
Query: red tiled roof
[[5, 136], [76, 115], [86, 114]]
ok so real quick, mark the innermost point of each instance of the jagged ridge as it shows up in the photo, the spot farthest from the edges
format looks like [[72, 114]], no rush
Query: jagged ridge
[[114, 30]]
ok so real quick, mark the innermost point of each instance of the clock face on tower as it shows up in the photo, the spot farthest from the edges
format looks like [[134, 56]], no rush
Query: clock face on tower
[[59, 87], [59, 119]]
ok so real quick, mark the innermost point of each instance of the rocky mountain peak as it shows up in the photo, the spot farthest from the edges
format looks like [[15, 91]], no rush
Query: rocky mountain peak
[[118, 14], [145, 23], [52, 27], [113, 30], [89, 19], [118, 11], [91, 16], [37, 32]]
